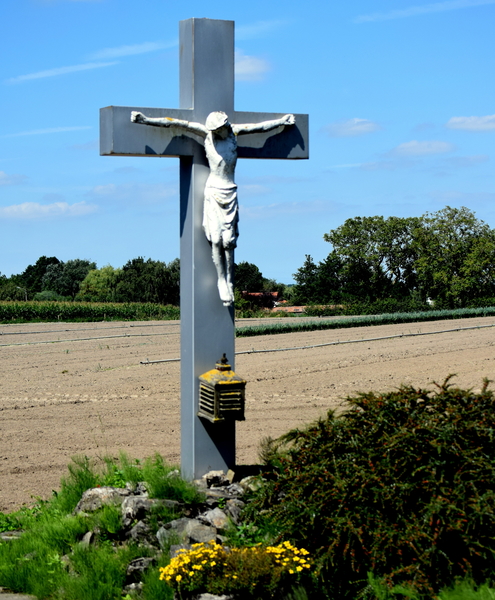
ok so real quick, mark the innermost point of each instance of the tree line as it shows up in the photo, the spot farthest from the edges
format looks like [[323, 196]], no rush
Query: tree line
[[446, 257], [139, 280]]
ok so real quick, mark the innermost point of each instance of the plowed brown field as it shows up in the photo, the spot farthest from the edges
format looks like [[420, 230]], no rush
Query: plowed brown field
[[79, 389]]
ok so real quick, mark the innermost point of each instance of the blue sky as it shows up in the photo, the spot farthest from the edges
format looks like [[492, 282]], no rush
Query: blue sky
[[400, 94]]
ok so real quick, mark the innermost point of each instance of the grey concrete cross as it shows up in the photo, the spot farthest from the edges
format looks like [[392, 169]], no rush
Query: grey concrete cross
[[207, 326]]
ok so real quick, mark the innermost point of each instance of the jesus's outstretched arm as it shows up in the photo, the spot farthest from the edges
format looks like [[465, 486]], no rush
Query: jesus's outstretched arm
[[138, 117], [264, 125]]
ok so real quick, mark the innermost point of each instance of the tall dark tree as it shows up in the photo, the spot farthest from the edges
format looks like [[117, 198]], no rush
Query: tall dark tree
[[32, 276], [248, 278], [318, 283], [65, 278], [149, 280]]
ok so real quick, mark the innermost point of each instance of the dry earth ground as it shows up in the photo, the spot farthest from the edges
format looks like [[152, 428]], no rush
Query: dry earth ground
[[79, 389]]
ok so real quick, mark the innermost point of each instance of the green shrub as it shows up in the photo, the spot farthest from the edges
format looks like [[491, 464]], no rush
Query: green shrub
[[401, 485]]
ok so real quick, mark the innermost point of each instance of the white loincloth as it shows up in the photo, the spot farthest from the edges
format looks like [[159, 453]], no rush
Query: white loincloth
[[221, 215]]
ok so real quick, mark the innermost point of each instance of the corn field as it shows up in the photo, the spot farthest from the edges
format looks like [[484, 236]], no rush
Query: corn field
[[28, 312]]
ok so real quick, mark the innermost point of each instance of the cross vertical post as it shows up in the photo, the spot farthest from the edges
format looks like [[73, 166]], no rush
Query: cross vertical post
[[207, 327]]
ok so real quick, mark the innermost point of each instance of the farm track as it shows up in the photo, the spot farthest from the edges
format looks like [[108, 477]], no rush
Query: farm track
[[93, 397]]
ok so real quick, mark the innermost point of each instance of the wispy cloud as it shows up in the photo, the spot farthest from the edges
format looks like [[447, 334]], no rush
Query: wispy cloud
[[424, 9], [146, 193], [34, 210], [472, 123], [249, 68], [48, 130], [283, 208], [460, 162], [351, 127], [258, 29], [14, 179], [59, 71], [131, 50], [415, 148]]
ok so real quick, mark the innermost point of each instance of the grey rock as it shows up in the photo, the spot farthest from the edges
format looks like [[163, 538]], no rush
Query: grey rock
[[216, 478], [9, 536], [137, 567], [140, 532], [136, 507], [87, 539], [235, 489], [213, 597], [186, 531], [4, 595], [216, 518], [95, 498], [134, 587], [199, 533], [234, 508]]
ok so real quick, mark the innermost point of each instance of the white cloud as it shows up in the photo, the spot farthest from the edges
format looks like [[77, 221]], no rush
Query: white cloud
[[60, 71], [11, 179], [278, 209], [134, 193], [131, 50], [48, 130], [416, 148], [467, 161], [414, 11], [258, 29], [249, 68], [34, 210], [351, 127], [472, 123]]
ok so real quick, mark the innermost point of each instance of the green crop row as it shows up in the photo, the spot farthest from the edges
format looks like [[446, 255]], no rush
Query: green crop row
[[23, 312], [368, 320]]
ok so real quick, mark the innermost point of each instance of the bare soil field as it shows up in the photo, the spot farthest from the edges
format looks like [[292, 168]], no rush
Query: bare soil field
[[79, 389]]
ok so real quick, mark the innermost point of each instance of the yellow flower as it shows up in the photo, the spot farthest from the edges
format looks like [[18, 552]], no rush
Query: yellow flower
[[299, 568], [178, 578]]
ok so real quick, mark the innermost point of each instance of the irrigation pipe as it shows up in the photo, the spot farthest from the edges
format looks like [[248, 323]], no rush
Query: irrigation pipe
[[106, 337], [337, 343], [88, 329]]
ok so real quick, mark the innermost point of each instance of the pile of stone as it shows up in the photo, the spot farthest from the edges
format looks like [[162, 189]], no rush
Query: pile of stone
[[204, 522]]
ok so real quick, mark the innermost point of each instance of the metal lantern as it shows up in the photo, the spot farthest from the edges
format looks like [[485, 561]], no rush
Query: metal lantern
[[221, 394]]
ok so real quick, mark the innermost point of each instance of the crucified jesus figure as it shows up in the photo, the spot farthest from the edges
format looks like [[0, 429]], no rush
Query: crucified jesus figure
[[221, 209]]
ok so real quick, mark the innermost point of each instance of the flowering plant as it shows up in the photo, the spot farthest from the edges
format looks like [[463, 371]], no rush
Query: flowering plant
[[255, 571]]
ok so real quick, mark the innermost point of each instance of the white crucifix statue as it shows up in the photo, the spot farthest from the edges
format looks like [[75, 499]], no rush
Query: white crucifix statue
[[208, 136]]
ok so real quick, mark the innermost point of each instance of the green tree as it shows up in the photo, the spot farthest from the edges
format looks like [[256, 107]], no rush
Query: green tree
[[248, 278], [99, 285], [318, 283], [149, 281], [455, 256], [65, 278], [31, 278], [378, 255]]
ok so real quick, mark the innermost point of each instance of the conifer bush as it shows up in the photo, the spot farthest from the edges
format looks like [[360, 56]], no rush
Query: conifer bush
[[401, 486]]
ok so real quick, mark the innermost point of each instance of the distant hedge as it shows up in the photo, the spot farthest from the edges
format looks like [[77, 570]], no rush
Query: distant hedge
[[25, 312]]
